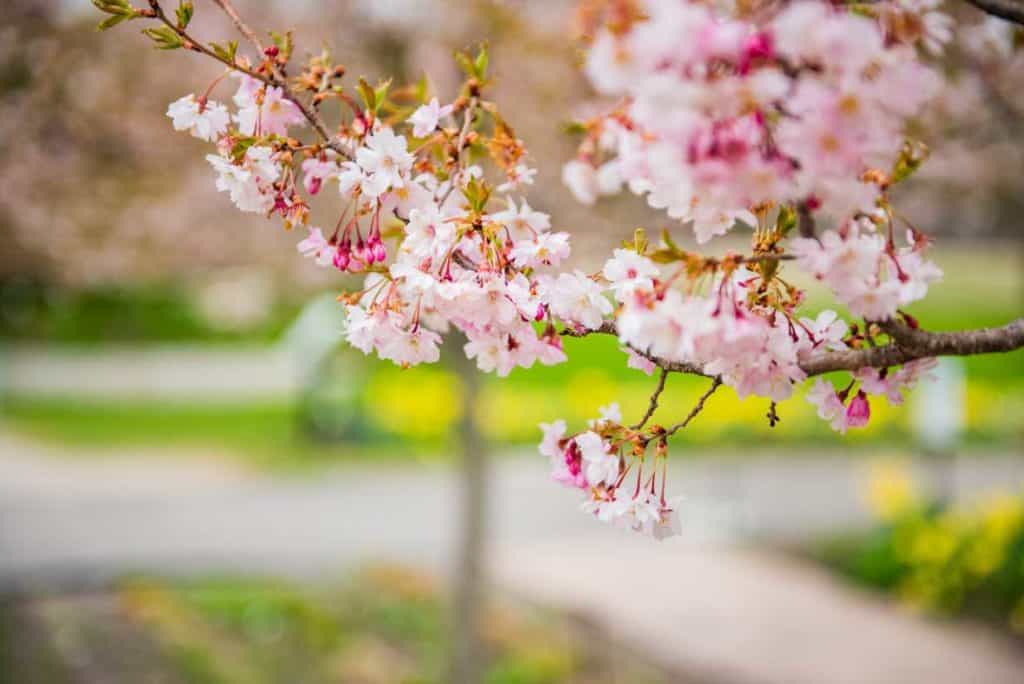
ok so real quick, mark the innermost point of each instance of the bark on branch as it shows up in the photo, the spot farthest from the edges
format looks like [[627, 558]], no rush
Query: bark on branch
[[907, 344], [1010, 10]]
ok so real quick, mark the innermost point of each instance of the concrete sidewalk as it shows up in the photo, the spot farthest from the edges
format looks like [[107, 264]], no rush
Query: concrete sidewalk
[[173, 372], [727, 614], [706, 603]]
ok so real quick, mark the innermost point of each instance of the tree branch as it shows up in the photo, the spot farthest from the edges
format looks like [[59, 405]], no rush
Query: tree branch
[[908, 344], [715, 384], [653, 405], [244, 29], [460, 158], [311, 114], [1010, 10], [608, 328], [276, 79]]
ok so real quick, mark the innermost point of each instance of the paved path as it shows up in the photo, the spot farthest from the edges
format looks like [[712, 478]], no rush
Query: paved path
[[732, 615], [702, 603], [172, 372]]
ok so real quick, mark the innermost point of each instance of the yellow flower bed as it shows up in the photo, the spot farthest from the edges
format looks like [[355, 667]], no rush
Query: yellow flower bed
[[424, 403]]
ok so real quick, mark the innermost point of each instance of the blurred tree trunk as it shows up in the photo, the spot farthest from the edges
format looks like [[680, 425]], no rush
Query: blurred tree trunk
[[467, 657]]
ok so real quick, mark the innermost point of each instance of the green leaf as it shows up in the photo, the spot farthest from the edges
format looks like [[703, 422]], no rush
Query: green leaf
[[164, 37], [226, 52], [477, 194], [667, 239], [380, 93], [112, 21], [786, 221], [184, 12], [474, 67], [421, 89], [119, 10], [120, 7], [241, 146], [465, 63], [284, 44], [666, 253], [480, 63], [575, 128], [368, 94], [640, 240], [913, 154]]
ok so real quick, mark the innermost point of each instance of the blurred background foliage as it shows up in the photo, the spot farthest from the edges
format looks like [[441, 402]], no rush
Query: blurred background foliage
[[383, 625], [943, 559]]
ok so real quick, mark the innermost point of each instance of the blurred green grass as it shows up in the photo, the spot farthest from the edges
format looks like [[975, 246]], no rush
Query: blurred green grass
[[384, 625]]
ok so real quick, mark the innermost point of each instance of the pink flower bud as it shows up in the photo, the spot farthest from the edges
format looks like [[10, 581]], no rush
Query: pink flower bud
[[380, 252], [760, 45], [361, 253], [341, 259], [859, 411], [573, 459]]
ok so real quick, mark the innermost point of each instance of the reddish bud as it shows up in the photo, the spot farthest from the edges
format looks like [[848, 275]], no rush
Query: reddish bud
[[858, 413]]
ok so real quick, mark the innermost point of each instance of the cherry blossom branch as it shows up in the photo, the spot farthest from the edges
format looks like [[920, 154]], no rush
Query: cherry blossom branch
[[242, 27], [312, 115], [1010, 10], [908, 344], [608, 328], [716, 382], [276, 79], [460, 142], [653, 405]]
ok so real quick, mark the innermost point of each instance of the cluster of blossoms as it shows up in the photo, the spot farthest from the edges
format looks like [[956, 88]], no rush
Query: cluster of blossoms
[[804, 108], [842, 414], [792, 108], [607, 462], [728, 332], [865, 271], [457, 262], [780, 119]]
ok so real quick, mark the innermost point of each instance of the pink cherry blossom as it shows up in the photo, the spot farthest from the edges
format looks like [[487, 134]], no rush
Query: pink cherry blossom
[[580, 300], [206, 120], [273, 117], [425, 118]]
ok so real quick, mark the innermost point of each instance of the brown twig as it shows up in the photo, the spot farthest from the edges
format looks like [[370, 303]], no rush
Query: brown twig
[[608, 328], [653, 405], [276, 79], [1010, 10], [244, 29], [311, 114], [467, 122], [716, 382]]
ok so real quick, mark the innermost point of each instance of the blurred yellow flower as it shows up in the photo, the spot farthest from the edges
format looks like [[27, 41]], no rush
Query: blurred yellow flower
[[890, 489]]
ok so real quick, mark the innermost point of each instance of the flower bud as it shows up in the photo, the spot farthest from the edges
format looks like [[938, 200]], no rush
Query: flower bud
[[379, 251], [859, 411]]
